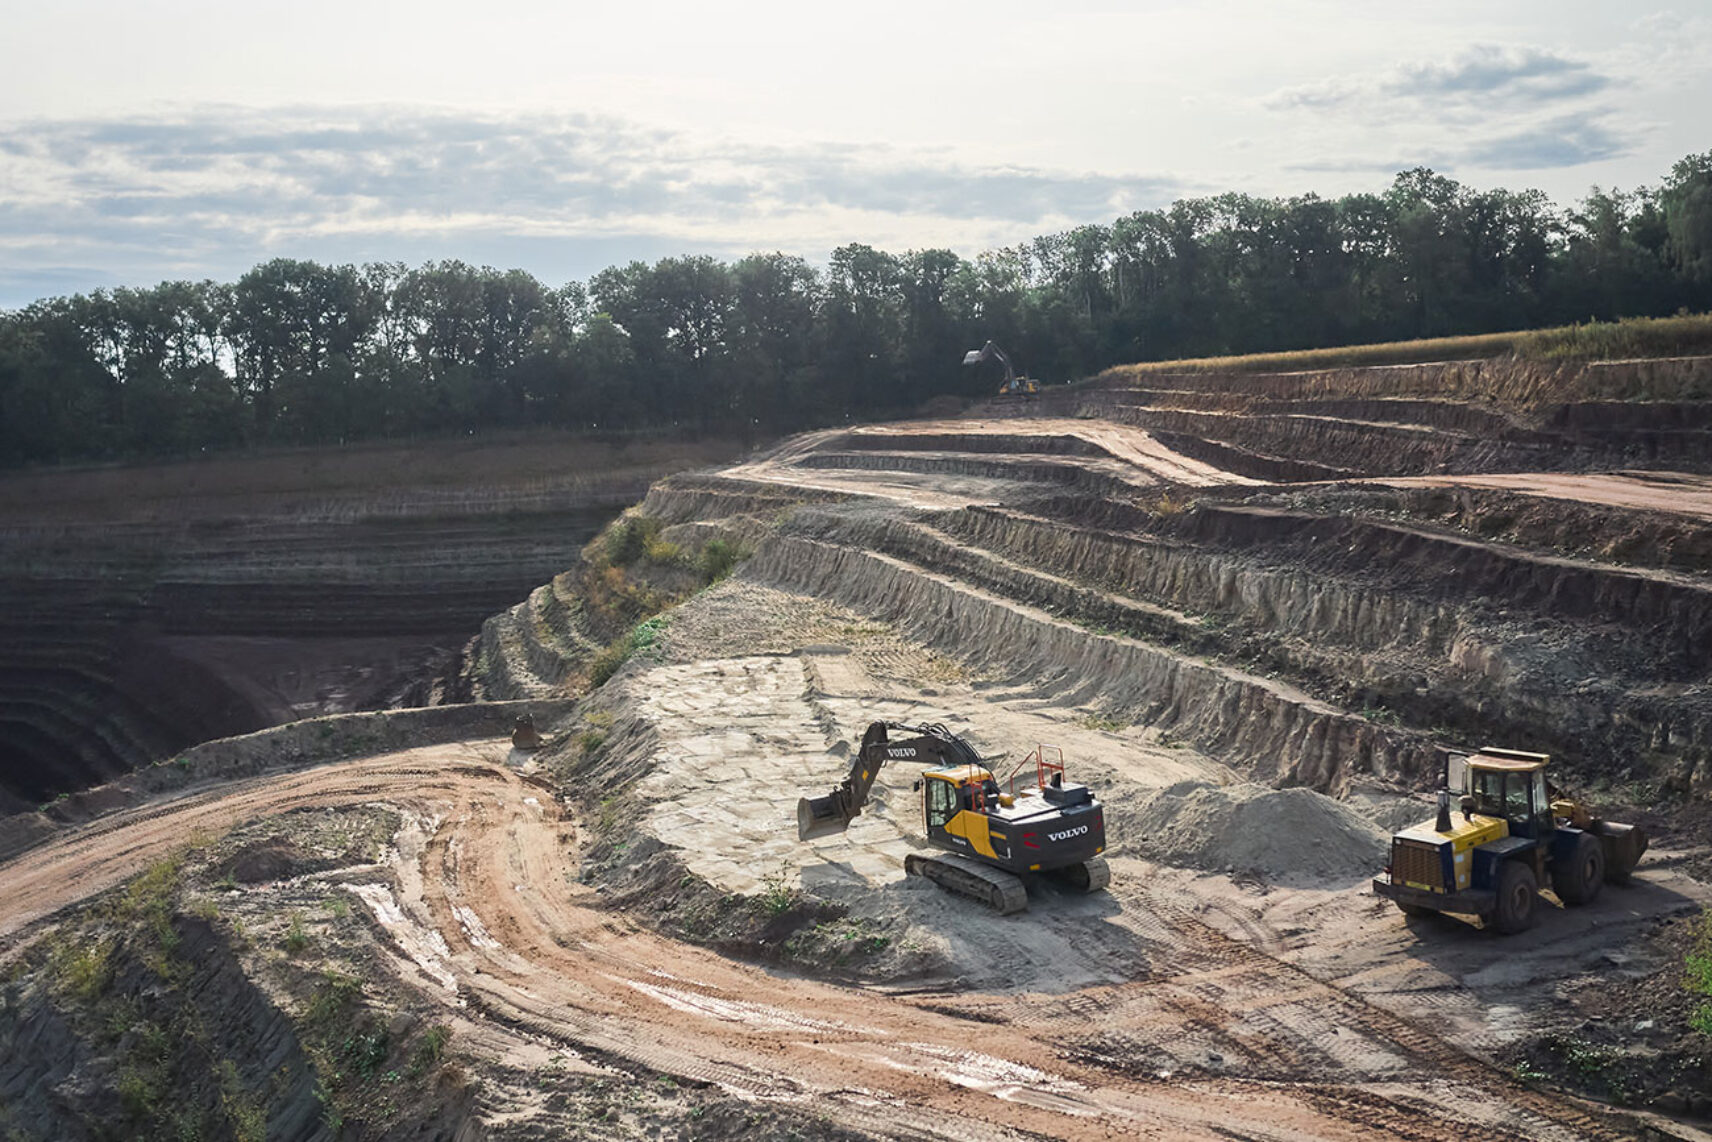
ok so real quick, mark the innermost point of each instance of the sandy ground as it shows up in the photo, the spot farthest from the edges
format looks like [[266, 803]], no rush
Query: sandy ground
[[1679, 492], [1212, 1037], [1131, 455]]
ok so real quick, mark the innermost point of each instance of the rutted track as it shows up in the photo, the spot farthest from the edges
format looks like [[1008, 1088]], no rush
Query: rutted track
[[489, 864]]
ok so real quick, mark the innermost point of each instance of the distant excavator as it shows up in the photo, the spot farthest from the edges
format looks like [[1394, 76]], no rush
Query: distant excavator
[[1014, 385], [992, 838]]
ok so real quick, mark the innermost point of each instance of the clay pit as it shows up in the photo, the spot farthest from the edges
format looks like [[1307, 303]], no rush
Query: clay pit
[[1254, 612]]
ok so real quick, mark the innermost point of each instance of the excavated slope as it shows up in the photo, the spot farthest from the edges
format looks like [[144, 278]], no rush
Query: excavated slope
[[1319, 578], [143, 610]]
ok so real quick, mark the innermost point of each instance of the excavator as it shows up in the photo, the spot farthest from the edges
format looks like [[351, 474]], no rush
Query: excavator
[[990, 837], [1014, 385]]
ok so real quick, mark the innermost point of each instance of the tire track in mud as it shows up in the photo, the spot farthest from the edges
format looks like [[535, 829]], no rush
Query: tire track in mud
[[1250, 976], [488, 872]]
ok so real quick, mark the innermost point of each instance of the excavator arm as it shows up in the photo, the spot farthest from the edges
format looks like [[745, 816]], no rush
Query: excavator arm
[[932, 744], [991, 352]]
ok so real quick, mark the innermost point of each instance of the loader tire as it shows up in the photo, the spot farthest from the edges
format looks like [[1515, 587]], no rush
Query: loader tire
[[1579, 879], [1518, 894]]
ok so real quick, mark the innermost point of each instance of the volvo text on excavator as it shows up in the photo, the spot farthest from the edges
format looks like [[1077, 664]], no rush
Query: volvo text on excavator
[[992, 836]]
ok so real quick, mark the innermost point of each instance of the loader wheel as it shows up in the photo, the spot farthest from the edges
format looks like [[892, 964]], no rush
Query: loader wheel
[[1579, 879], [1518, 892]]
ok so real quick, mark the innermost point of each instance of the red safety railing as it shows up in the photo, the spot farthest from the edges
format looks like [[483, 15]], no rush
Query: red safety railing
[[1044, 767]]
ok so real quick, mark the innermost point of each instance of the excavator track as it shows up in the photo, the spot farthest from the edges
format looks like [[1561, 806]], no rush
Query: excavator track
[[1092, 875], [998, 890]]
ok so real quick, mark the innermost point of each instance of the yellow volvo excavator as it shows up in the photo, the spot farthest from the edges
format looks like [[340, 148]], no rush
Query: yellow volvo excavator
[[991, 837], [1014, 386]]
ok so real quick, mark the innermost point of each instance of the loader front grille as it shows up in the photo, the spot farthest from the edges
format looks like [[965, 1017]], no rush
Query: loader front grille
[[1418, 863]]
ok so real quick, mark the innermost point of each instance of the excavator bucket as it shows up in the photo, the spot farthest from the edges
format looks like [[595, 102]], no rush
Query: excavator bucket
[[820, 817]]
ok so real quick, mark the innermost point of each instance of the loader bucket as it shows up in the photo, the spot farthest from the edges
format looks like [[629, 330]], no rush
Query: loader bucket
[[1623, 846], [820, 817]]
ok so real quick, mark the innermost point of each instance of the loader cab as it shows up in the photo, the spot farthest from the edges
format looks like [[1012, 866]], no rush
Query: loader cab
[[1511, 785]]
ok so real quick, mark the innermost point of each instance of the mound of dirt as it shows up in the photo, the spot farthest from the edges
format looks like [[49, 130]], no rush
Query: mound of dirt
[[1282, 833], [272, 859]]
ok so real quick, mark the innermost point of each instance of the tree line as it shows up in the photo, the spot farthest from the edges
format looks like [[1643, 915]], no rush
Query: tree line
[[295, 352]]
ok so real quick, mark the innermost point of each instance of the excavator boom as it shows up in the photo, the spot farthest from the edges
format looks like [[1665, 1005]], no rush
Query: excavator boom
[[825, 816]]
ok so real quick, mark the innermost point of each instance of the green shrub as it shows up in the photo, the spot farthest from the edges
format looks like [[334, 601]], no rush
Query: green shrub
[[642, 637], [627, 540], [719, 557], [606, 663], [662, 552], [365, 1051]]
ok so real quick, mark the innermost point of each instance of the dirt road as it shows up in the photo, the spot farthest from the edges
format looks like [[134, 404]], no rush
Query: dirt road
[[1680, 492], [1131, 456], [489, 915]]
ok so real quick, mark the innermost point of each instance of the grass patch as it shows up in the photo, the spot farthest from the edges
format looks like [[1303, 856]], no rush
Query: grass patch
[[644, 637], [1683, 335], [297, 939], [244, 1113], [429, 1050], [333, 999], [1697, 974], [82, 971]]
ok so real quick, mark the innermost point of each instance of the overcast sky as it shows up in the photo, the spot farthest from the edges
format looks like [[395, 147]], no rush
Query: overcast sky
[[195, 138]]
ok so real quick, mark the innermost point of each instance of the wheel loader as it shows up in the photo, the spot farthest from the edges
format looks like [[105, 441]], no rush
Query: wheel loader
[[1512, 833], [990, 837]]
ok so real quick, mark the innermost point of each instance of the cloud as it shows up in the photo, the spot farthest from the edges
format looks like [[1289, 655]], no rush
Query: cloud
[[1566, 141], [211, 191], [1484, 77], [1486, 107], [1525, 75]]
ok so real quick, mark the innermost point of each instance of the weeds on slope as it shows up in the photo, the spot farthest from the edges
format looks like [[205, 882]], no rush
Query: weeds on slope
[[633, 575]]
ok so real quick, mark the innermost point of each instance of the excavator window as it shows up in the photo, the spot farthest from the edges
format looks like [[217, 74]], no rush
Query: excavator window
[[941, 803]]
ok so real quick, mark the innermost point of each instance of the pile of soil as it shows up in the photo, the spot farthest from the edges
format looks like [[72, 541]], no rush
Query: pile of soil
[[274, 858], [1281, 833]]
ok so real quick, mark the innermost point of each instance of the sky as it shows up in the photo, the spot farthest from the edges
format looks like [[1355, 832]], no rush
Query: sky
[[174, 139]]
